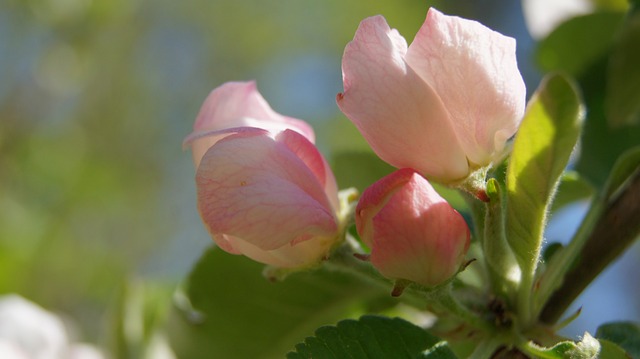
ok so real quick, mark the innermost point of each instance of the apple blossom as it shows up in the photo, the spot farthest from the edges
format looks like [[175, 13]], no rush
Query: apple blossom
[[413, 233], [264, 189], [235, 105], [445, 105], [272, 198]]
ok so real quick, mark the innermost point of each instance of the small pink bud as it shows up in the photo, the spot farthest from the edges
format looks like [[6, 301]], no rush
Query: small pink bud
[[445, 105], [413, 233]]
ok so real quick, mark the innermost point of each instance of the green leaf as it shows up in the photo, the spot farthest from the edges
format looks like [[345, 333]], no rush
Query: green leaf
[[550, 250], [558, 351], [358, 169], [572, 188], [623, 81], [229, 310], [626, 165], [610, 350], [576, 44], [541, 150], [372, 337], [587, 348], [624, 334], [601, 143]]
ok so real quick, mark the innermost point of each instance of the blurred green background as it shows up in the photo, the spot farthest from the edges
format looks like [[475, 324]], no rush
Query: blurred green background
[[97, 95]]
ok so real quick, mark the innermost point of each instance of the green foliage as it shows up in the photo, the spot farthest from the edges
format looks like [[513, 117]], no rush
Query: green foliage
[[358, 169], [587, 348], [550, 250], [623, 78], [624, 334], [599, 50], [624, 168], [609, 350], [232, 305], [572, 188], [578, 43], [372, 337], [541, 150]]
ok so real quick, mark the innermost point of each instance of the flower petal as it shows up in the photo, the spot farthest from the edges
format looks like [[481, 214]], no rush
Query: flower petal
[[311, 157], [374, 198], [474, 71], [233, 105], [253, 187], [300, 255], [201, 141], [400, 116]]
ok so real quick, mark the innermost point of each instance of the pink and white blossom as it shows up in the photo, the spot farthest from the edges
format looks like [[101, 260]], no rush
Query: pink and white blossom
[[445, 105], [264, 189], [413, 233], [272, 199]]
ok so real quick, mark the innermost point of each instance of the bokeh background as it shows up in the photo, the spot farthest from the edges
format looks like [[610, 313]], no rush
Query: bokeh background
[[96, 96]]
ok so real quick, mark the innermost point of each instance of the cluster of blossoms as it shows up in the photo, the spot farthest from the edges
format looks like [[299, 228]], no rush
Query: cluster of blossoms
[[439, 110]]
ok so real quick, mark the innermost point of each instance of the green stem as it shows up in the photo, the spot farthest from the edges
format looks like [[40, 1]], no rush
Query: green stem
[[525, 307], [442, 297], [486, 348], [502, 265], [478, 212], [343, 260]]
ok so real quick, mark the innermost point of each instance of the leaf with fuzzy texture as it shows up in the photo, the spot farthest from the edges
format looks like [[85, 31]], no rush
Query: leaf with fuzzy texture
[[541, 151]]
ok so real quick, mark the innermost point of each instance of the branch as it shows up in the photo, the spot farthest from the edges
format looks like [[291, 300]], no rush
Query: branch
[[616, 230]]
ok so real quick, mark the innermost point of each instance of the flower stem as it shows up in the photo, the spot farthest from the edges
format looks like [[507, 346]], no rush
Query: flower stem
[[443, 297], [486, 348], [343, 260], [440, 297], [503, 268]]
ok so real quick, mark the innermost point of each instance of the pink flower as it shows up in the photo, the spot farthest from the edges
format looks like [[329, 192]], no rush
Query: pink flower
[[413, 233], [233, 106], [445, 105], [264, 189]]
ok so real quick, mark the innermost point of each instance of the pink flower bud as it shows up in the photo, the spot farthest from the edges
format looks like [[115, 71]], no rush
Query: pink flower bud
[[264, 189], [235, 105], [445, 105], [413, 233]]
